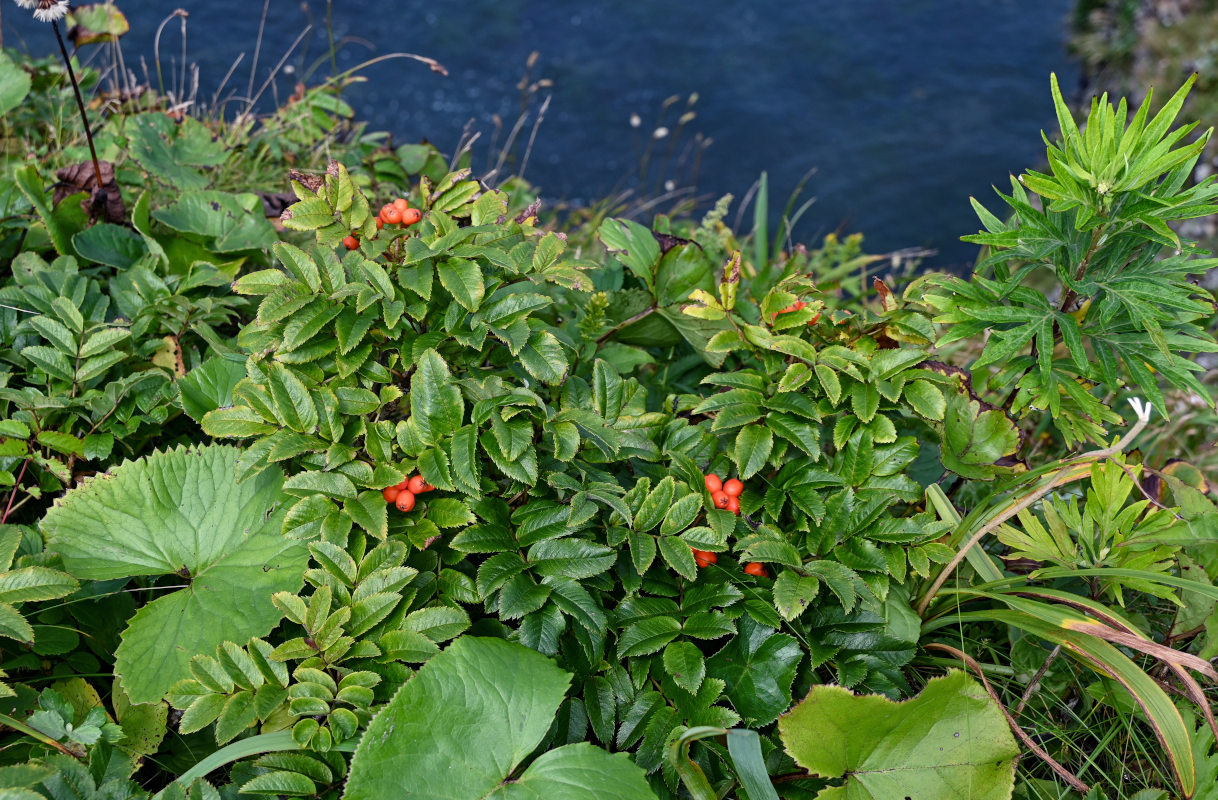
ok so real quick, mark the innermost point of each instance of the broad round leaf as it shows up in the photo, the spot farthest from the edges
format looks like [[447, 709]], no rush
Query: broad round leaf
[[949, 741], [466, 721], [181, 512]]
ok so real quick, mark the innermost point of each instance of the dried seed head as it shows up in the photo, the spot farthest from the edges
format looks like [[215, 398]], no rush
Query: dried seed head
[[47, 10]]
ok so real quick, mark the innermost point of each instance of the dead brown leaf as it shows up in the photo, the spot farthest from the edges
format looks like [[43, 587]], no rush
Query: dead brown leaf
[[105, 201]]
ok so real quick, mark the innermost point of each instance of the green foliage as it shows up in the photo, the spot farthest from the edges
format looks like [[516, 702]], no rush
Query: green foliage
[[27, 582], [61, 721], [174, 153], [951, 736], [1108, 531], [91, 360], [14, 84], [1127, 313], [465, 723], [570, 579], [180, 513]]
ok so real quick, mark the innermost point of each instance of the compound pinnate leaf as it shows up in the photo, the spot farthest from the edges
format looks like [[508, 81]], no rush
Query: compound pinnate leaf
[[496, 699], [181, 512], [436, 406], [949, 741]]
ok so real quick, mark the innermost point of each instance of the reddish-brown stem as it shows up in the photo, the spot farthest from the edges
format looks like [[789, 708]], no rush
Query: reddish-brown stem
[[80, 103], [13, 494]]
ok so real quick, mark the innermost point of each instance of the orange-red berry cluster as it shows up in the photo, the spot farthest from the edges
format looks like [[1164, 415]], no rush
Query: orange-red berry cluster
[[726, 495], [398, 212], [402, 495]]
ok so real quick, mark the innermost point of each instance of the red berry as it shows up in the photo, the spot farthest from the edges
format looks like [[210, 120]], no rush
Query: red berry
[[404, 501], [350, 243], [390, 493], [391, 216], [721, 499], [733, 505], [753, 568], [704, 558], [732, 487], [815, 317], [418, 485], [400, 204], [411, 215], [713, 484], [380, 223]]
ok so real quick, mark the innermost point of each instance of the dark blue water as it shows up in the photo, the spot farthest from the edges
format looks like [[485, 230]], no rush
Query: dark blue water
[[903, 107]]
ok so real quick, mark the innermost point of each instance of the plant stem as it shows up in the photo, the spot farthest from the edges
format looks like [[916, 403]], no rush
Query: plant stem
[[1019, 732], [1036, 679], [1069, 297], [13, 495], [80, 103], [625, 323]]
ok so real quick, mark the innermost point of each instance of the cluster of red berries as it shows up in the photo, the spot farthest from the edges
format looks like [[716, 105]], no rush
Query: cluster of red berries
[[704, 558], [398, 212], [402, 495], [725, 494]]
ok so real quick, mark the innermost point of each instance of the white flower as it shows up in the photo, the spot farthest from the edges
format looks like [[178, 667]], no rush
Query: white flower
[[50, 10], [1141, 408], [27, 4]]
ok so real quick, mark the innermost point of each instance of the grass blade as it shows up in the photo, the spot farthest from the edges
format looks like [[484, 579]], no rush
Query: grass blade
[[744, 746]]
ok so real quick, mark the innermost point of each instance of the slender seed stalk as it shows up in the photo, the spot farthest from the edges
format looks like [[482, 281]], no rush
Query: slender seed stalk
[[80, 103]]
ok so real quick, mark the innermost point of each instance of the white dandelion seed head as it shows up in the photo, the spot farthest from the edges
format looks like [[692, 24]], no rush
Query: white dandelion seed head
[[27, 4], [635, 119], [50, 10], [659, 133]]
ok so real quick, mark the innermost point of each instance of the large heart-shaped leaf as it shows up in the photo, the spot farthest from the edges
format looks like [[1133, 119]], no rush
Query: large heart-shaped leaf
[[949, 741], [461, 726], [181, 512]]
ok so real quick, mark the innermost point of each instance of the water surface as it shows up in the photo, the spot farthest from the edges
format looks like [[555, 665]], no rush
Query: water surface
[[903, 107]]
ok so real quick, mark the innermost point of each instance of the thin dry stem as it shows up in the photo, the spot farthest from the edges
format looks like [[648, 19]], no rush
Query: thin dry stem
[[1066, 775]]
